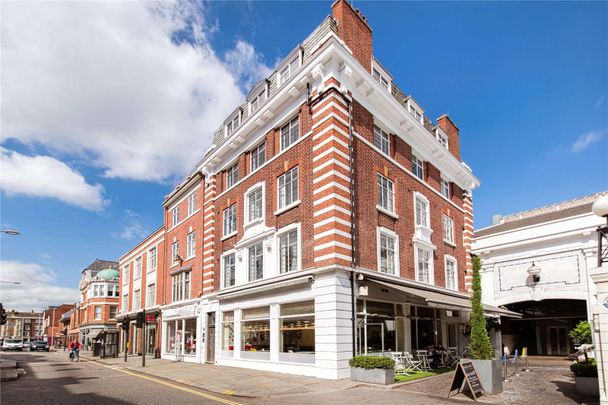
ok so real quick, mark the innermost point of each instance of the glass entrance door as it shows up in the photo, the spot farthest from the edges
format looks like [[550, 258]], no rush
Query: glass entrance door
[[558, 341]]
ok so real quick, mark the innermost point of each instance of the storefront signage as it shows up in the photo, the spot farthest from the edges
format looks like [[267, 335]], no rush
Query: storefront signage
[[465, 372], [150, 318]]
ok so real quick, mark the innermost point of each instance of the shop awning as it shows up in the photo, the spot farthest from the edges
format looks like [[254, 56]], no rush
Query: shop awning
[[437, 299]]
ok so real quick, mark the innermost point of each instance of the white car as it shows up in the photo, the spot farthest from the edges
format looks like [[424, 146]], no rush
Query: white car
[[12, 344]]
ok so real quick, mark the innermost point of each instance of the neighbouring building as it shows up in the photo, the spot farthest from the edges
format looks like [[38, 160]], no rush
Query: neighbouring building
[[98, 305], [53, 328], [537, 263], [23, 325], [330, 217], [138, 293]]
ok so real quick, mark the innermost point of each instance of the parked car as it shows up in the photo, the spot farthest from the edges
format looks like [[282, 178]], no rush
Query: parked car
[[39, 345], [27, 345], [12, 344]]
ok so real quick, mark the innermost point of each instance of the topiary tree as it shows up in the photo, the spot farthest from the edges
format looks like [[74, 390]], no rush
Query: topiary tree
[[480, 347]]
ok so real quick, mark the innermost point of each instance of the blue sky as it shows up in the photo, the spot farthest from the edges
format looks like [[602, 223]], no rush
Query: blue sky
[[527, 83]]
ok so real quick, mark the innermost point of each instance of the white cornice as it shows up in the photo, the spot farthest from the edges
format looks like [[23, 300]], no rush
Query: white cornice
[[334, 60]]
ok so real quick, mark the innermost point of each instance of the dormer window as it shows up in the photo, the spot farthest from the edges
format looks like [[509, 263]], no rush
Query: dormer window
[[233, 124], [257, 101], [442, 138], [380, 79], [414, 111], [288, 70]]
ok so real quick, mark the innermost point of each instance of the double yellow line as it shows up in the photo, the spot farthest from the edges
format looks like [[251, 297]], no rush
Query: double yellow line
[[177, 387]]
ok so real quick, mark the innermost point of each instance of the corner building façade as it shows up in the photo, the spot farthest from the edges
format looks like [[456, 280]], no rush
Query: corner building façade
[[329, 218]]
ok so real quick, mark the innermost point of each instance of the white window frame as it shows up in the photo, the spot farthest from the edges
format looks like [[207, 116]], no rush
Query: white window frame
[[256, 152], [256, 103], [290, 67], [290, 124], [125, 303], [223, 268], [231, 232], [174, 252], [138, 267], [287, 206], [175, 215], [384, 136], [444, 187], [431, 269], [390, 209], [152, 262], [100, 313], [181, 293], [391, 234], [233, 124], [417, 163], [446, 259], [286, 229], [261, 244], [191, 245], [427, 224], [150, 302], [376, 74], [442, 138], [232, 175], [448, 224], [136, 299], [191, 203], [126, 270], [258, 186]]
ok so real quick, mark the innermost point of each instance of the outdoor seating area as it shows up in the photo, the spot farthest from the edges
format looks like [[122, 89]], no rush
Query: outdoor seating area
[[424, 361]]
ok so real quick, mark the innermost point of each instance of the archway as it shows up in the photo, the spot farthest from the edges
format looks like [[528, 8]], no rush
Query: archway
[[544, 326]]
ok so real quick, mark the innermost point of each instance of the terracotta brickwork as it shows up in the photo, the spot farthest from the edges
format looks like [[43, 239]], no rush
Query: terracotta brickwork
[[186, 225], [354, 31]]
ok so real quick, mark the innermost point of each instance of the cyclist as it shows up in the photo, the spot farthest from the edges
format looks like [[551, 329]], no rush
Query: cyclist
[[74, 348]]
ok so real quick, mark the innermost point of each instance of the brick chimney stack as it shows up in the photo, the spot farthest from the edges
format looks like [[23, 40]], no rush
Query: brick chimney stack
[[451, 130], [354, 30]]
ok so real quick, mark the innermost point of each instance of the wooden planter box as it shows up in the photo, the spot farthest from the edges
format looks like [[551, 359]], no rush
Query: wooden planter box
[[382, 376], [490, 375], [588, 386]]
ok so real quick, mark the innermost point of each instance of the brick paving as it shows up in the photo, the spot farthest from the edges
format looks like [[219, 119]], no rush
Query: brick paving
[[548, 382]]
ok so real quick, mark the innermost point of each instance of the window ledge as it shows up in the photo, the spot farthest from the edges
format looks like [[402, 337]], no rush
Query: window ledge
[[190, 257], [447, 242], [254, 222], [230, 235], [287, 208], [387, 212]]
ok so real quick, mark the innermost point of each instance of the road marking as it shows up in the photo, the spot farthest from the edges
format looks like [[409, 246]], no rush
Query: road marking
[[177, 387]]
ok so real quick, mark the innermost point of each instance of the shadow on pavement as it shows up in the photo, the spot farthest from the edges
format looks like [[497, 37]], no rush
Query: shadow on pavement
[[568, 389], [29, 389]]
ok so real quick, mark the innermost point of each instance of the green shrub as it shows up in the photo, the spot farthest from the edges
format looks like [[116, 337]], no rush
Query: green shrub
[[584, 369], [480, 347], [371, 362]]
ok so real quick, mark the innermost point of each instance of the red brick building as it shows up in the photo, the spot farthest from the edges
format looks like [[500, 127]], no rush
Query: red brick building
[[139, 270], [54, 332], [22, 325], [330, 217]]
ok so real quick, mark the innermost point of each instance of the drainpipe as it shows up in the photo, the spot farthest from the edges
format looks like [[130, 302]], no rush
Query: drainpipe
[[352, 228]]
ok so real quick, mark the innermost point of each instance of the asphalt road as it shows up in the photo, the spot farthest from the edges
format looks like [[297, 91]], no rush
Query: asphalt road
[[52, 379]]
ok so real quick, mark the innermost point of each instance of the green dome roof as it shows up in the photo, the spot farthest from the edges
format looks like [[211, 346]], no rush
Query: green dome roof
[[107, 274]]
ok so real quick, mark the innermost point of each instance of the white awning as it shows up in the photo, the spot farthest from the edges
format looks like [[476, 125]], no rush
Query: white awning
[[437, 299]]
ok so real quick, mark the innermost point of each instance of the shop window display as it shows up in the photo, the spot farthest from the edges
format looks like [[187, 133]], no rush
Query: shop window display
[[190, 336], [255, 333], [228, 334], [297, 332]]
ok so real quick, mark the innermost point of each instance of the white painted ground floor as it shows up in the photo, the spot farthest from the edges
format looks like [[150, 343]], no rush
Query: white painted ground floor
[[303, 323]]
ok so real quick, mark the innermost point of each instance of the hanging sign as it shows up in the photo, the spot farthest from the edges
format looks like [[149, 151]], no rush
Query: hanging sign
[[466, 373]]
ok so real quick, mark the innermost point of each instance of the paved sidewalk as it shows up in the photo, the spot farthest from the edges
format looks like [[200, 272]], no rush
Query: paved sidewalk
[[227, 380], [549, 382]]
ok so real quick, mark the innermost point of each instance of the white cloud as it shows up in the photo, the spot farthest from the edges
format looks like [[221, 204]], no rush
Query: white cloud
[[38, 288], [133, 229], [117, 84], [587, 139], [44, 176], [245, 63]]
